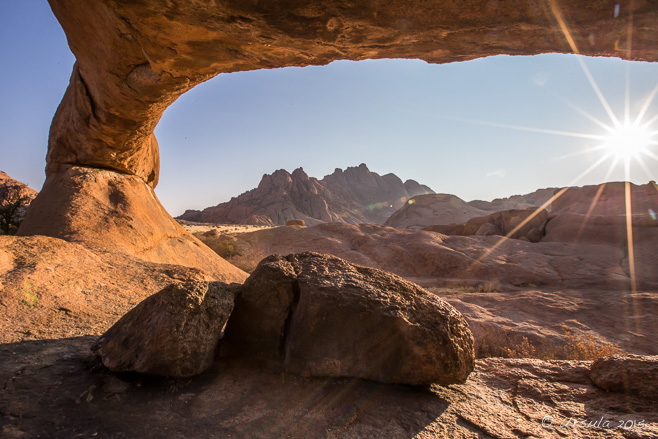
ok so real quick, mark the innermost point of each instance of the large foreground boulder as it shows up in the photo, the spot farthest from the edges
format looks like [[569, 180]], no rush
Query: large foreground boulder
[[323, 316], [630, 374], [172, 333]]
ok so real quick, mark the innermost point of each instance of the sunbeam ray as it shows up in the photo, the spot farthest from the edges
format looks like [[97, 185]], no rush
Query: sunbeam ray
[[647, 103], [581, 152], [584, 113], [599, 93], [530, 129], [629, 236]]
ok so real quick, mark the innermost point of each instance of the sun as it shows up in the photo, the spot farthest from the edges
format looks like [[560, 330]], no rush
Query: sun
[[628, 140]]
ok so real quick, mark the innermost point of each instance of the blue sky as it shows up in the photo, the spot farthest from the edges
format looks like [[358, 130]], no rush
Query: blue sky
[[448, 126]]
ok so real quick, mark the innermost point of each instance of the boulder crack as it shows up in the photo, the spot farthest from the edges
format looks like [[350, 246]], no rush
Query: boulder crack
[[291, 312]]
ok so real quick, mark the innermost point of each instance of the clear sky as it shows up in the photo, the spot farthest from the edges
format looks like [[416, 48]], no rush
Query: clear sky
[[463, 128]]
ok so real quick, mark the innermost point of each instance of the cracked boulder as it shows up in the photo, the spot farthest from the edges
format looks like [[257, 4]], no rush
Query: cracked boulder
[[323, 316], [172, 333]]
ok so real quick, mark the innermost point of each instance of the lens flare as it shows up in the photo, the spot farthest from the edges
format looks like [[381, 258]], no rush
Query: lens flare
[[628, 141]]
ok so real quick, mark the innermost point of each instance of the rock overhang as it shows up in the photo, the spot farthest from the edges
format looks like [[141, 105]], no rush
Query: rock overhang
[[134, 58]]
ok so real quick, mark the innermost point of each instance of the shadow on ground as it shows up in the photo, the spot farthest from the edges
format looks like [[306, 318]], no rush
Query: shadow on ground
[[55, 389]]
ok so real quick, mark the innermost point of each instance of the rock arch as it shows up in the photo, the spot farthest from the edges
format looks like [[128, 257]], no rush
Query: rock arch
[[136, 57]]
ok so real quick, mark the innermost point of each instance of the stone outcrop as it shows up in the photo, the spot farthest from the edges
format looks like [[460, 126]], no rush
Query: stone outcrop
[[450, 215], [435, 259], [354, 196], [514, 224], [111, 212], [53, 289], [516, 202], [600, 229], [15, 198], [328, 317], [6, 181], [433, 209], [172, 333], [427, 211], [630, 375], [608, 199], [300, 223]]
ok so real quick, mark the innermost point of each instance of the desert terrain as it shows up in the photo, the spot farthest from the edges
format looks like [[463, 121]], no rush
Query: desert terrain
[[539, 314], [352, 306]]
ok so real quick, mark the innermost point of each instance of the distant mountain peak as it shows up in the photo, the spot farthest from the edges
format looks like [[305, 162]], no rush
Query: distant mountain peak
[[354, 195]]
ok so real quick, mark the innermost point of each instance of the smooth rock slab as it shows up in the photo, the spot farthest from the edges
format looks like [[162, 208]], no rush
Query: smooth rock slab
[[631, 374], [172, 333], [323, 316]]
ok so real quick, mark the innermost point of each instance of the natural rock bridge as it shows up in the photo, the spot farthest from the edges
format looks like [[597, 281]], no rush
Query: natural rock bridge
[[134, 58]]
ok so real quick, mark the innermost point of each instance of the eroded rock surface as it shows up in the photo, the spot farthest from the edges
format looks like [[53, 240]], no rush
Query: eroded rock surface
[[52, 289], [328, 317], [434, 259], [433, 209], [172, 333], [111, 212], [15, 197], [630, 375], [514, 224], [608, 199], [48, 391]]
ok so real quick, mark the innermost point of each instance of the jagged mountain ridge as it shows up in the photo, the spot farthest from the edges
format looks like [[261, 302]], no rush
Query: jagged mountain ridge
[[355, 195]]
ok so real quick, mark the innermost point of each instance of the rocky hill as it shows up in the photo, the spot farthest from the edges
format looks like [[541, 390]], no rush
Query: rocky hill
[[448, 210], [15, 197], [445, 209], [533, 199], [355, 195], [6, 181], [434, 209]]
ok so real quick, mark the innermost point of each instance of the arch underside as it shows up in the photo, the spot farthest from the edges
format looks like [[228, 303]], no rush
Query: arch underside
[[134, 58]]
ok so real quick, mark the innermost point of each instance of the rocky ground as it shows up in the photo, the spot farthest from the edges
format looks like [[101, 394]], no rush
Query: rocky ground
[[52, 388], [522, 300]]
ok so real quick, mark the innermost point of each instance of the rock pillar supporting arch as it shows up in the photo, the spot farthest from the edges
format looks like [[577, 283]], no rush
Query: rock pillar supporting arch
[[135, 57]]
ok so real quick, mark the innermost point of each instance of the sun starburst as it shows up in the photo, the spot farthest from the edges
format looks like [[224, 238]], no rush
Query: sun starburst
[[628, 141]]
